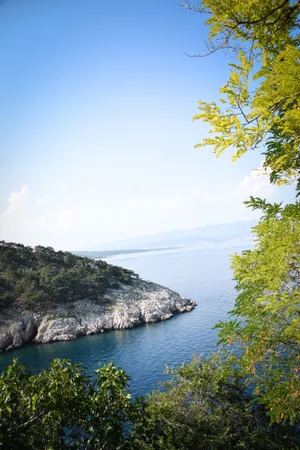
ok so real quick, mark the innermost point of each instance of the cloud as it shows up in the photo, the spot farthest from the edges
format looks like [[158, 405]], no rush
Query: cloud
[[82, 219], [34, 220], [16, 201], [256, 184], [228, 206], [150, 214]]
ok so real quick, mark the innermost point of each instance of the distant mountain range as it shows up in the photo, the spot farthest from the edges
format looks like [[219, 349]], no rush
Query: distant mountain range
[[178, 238]]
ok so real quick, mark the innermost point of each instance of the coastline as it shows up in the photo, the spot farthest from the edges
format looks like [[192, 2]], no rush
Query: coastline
[[123, 308]]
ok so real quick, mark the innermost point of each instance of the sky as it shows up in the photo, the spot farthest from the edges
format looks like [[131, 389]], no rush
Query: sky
[[96, 131]]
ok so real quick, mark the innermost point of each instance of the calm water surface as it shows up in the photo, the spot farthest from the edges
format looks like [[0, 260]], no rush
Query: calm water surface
[[201, 273]]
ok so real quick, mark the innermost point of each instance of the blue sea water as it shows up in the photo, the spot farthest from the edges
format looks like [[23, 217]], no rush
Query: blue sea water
[[201, 273]]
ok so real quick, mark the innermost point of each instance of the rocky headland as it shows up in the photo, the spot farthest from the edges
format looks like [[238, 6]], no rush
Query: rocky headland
[[127, 306]]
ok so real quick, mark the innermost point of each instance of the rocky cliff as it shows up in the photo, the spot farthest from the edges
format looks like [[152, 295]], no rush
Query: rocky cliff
[[125, 307]]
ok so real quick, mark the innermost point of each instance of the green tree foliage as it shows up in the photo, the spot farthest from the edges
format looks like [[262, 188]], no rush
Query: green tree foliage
[[203, 406], [261, 99], [266, 316], [64, 408], [259, 108], [40, 277]]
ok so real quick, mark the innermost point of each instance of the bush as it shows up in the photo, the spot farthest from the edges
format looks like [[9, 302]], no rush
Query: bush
[[201, 407]]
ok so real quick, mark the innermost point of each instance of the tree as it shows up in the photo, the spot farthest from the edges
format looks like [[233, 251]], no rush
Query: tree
[[266, 316], [260, 109], [260, 102], [64, 408], [40, 278], [204, 406]]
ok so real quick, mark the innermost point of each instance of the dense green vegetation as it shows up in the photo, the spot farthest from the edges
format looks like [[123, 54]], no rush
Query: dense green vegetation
[[38, 278], [259, 109], [265, 320], [203, 406]]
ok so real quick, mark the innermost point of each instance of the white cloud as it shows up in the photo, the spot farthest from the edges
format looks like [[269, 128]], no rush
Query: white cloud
[[256, 184], [228, 206], [33, 221], [16, 201], [83, 219]]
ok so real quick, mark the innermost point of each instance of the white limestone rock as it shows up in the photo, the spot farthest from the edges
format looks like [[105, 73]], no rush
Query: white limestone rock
[[125, 307], [62, 329], [6, 340]]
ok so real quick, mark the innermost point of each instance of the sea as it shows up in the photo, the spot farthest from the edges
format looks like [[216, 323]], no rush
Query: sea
[[201, 273]]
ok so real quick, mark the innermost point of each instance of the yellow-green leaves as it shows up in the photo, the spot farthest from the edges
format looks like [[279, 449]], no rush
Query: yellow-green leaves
[[262, 93], [267, 310]]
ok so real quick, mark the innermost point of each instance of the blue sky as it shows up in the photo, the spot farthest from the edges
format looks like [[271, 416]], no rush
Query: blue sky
[[97, 100]]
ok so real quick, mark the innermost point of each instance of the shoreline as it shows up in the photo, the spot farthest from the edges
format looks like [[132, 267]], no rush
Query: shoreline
[[129, 306]]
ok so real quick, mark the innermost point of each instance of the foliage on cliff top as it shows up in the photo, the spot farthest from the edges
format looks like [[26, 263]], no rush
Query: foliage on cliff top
[[40, 277]]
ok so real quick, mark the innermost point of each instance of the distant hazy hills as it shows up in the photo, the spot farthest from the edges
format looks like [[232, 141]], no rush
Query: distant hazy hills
[[178, 238]]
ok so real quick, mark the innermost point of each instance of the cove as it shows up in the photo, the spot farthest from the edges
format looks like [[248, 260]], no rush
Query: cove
[[201, 273]]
